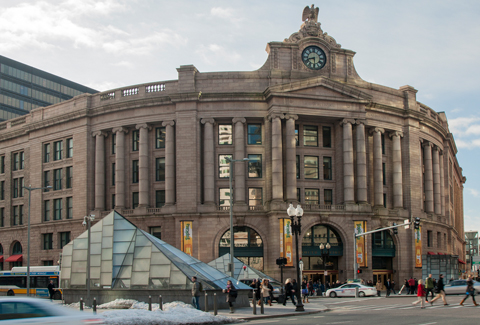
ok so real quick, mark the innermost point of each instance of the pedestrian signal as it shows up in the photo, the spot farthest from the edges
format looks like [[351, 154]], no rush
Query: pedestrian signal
[[359, 271], [416, 223]]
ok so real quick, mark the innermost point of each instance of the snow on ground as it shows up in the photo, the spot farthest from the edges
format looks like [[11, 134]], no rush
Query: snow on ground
[[132, 312]]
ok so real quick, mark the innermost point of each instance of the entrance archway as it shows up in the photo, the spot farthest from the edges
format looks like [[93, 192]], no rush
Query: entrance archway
[[248, 246]]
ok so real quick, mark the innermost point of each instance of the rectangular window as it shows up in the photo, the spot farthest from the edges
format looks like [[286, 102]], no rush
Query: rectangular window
[[327, 197], [69, 175], [311, 196], [254, 134], [254, 166], [297, 143], [69, 148], [2, 190], [47, 241], [64, 239], [69, 208], [327, 168], [255, 197], [310, 136], [383, 144], [46, 210], [2, 219], [160, 138], [2, 164], [57, 209], [134, 200], [298, 195], [57, 179], [57, 150], [113, 174], [224, 197], [48, 263], [46, 180], [160, 169], [46, 152], [224, 166], [114, 144], [22, 159], [429, 238], [310, 167], [16, 161], [156, 232], [135, 171], [327, 137], [225, 134], [439, 240], [159, 198], [18, 215], [21, 187], [384, 200], [135, 140], [113, 201], [15, 188], [297, 166], [383, 174]]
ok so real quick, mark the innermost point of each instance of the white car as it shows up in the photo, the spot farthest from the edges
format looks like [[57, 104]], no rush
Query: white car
[[348, 290], [15, 310], [459, 287]]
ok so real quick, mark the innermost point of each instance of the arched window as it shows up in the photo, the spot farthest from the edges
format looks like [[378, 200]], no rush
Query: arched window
[[321, 234], [17, 248], [311, 255], [383, 250], [248, 246]]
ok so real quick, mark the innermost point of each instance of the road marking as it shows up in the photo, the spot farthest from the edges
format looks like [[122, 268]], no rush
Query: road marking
[[428, 323], [261, 321], [347, 321], [318, 316]]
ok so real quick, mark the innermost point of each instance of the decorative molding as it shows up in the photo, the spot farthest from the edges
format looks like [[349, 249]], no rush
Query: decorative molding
[[375, 130], [312, 29], [171, 123], [239, 120], [364, 122], [276, 115], [120, 129], [143, 126], [396, 134], [427, 143], [207, 120], [291, 117], [333, 62], [347, 121], [99, 133]]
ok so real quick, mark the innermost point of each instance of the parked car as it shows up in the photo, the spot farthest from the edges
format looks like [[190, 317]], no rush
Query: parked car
[[15, 310], [348, 290], [277, 287], [459, 287]]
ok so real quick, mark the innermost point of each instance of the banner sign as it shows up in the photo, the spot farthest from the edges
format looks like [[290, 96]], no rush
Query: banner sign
[[360, 247], [286, 246], [187, 242], [418, 247]]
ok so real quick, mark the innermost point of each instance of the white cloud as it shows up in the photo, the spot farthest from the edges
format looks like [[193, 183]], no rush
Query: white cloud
[[213, 53], [473, 192], [224, 13]]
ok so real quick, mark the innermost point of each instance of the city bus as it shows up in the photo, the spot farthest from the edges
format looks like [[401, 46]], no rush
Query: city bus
[[14, 282]]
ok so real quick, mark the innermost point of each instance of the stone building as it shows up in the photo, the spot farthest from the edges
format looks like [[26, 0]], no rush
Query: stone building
[[352, 153]]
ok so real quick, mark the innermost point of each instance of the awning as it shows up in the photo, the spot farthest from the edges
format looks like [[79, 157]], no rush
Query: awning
[[1, 258], [461, 262], [14, 258], [440, 253], [431, 253]]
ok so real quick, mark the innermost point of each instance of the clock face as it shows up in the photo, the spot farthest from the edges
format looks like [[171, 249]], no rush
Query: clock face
[[314, 57]]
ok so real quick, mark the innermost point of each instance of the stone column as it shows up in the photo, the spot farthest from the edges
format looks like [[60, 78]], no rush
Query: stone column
[[239, 167], [397, 169], [427, 160], [120, 167], [143, 175], [437, 198], [169, 162], [361, 163], [348, 173], [99, 170], [208, 161], [291, 159], [442, 183], [377, 166], [277, 164]]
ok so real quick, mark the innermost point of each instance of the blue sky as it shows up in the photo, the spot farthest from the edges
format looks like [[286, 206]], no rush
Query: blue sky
[[431, 45]]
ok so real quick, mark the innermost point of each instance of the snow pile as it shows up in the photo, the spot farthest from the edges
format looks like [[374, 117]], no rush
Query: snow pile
[[120, 304]]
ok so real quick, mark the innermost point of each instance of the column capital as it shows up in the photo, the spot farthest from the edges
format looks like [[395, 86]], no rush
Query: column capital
[[347, 121], [99, 133], [120, 129], [291, 117], [207, 120], [437, 148], [276, 115], [143, 126], [171, 123], [396, 134], [426, 143], [376, 130], [239, 120], [364, 122]]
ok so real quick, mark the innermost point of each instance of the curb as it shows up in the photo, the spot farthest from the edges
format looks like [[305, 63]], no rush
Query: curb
[[284, 315]]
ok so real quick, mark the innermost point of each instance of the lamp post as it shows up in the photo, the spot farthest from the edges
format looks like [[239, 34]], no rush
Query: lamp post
[[87, 221], [30, 189], [297, 230], [231, 161], [325, 252]]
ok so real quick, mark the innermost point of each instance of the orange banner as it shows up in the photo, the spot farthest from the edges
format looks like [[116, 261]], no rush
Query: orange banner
[[361, 252], [286, 246], [418, 247], [187, 242]]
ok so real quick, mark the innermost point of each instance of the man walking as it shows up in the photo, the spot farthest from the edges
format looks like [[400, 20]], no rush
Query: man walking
[[428, 286], [195, 292], [411, 285], [440, 291], [388, 285], [51, 289]]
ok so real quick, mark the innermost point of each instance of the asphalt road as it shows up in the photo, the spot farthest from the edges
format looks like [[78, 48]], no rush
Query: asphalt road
[[379, 311]]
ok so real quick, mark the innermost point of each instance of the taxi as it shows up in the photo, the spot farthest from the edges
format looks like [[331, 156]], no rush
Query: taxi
[[348, 290]]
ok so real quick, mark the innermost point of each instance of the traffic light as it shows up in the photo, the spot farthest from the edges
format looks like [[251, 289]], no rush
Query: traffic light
[[359, 271], [395, 230], [416, 223], [281, 261]]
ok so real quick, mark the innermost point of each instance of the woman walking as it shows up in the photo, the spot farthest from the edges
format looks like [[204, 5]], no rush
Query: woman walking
[[289, 292], [231, 292], [470, 291], [266, 289], [305, 291], [420, 294]]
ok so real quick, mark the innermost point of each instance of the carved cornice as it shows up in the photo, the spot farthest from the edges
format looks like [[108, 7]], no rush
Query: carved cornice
[[347, 121], [291, 117], [99, 133], [364, 122], [239, 120], [207, 120], [276, 115], [396, 134], [143, 126], [120, 129], [171, 123]]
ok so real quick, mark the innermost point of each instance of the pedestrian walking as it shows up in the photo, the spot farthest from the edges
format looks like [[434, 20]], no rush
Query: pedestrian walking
[[440, 290], [405, 287], [411, 284], [310, 288], [470, 291], [420, 294], [195, 292], [393, 286], [255, 286], [322, 289], [388, 286], [428, 287], [379, 287], [232, 293], [316, 287], [265, 292], [289, 292], [305, 291], [51, 289]]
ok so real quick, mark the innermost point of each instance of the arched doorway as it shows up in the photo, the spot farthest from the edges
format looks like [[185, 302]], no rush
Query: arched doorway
[[16, 250], [248, 246], [315, 268], [383, 252]]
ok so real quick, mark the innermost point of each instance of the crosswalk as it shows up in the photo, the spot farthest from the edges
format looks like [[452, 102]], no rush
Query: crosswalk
[[377, 307]]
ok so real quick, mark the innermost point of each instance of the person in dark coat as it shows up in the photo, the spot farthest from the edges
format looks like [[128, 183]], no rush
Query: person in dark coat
[[289, 292], [254, 286], [51, 289], [470, 291], [231, 292], [440, 291], [388, 285]]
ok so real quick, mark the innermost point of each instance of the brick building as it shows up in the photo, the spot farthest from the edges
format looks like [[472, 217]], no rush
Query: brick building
[[352, 153]]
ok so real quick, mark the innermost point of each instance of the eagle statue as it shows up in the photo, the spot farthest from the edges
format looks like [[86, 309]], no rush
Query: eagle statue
[[310, 14]]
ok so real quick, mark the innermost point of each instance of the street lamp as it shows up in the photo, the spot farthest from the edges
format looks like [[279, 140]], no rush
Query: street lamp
[[297, 230], [325, 252], [87, 221], [30, 189], [231, 161]]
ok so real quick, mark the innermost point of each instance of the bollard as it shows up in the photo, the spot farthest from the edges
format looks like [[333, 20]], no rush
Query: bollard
[[206, 302], [356, 292], [94, 306], [262, 301], [254, 301], [150, 303], [81, 304], [160, 303], [215, 309]]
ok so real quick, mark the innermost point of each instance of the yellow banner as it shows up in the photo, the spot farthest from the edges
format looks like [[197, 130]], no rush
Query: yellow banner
[[286, 246], [418, 247], [187, 243], [360, 247]]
